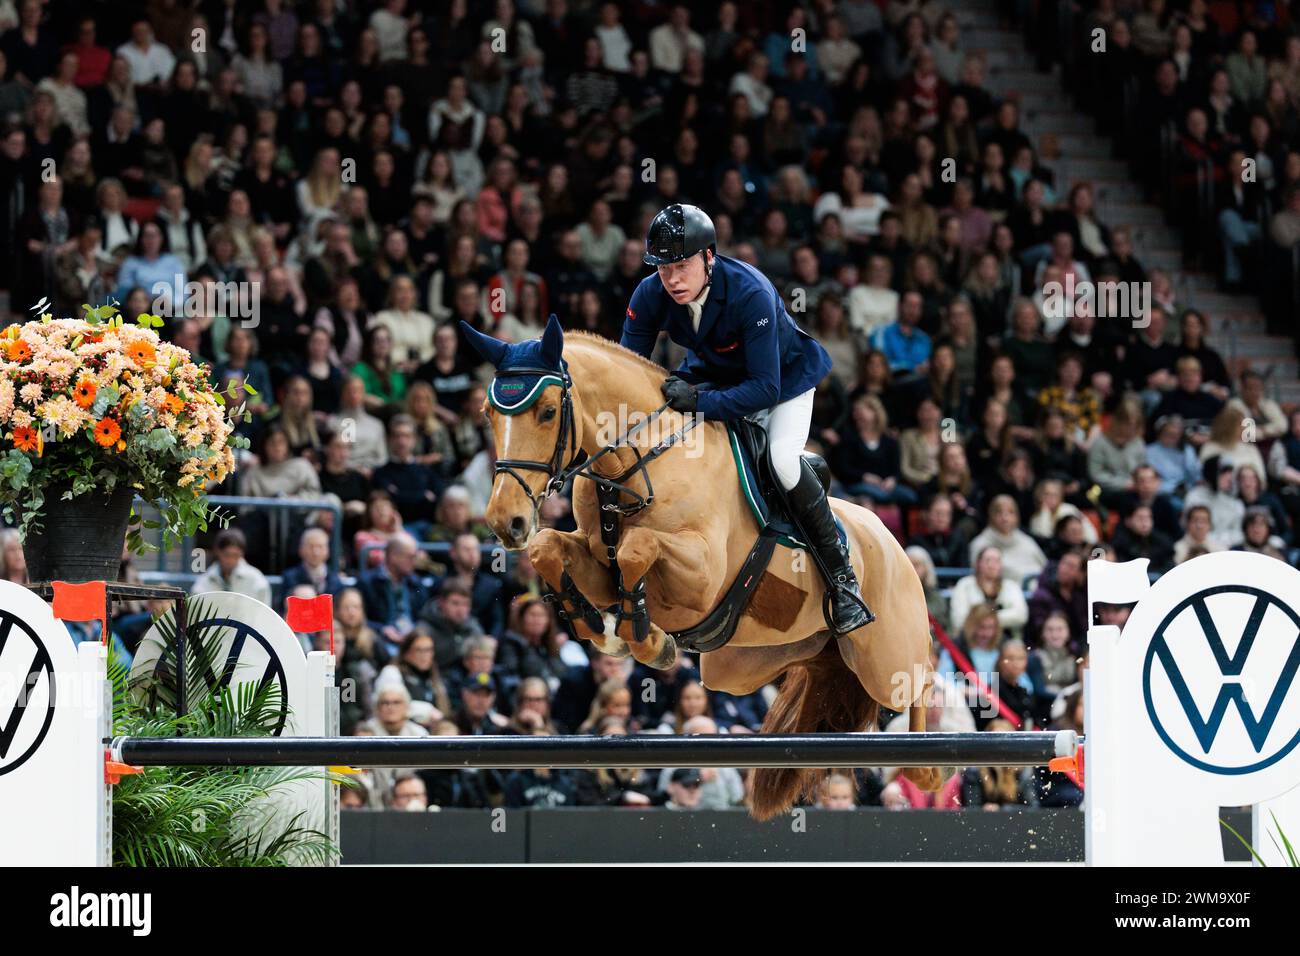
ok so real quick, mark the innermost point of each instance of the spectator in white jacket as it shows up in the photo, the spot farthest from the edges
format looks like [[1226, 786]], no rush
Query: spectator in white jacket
[[836, 53], [988, 586], [670, 41], [1021, 555], [1218, 494], [1052, 507], [230, 572], [151, 62], [752, 84], [874, 303], [615, 44], [391, 24], [1265, 414]]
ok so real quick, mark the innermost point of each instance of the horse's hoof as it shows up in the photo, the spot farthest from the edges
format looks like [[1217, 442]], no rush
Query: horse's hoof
[[617, 648], [667, 654]]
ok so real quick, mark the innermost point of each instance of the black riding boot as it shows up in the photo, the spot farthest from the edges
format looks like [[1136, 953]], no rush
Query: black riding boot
[[813, 513]]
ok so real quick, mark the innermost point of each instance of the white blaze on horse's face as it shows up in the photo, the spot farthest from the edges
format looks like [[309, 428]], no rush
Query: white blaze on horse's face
[[528, 436]]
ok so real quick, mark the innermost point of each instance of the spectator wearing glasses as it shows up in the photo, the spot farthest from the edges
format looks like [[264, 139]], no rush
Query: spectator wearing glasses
[[414, 667]]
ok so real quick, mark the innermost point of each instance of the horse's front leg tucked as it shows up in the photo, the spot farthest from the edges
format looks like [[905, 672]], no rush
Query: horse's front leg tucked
[[682, 569], [557, 553]]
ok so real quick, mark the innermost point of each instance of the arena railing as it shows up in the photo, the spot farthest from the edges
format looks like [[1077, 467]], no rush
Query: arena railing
[[949, 576], [185, 580], [180, 560]]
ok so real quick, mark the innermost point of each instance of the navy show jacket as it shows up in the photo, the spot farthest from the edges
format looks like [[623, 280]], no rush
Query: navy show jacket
[[748, 353]]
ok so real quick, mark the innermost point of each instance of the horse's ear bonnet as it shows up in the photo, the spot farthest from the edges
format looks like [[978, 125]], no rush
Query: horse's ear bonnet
[[524, 369]]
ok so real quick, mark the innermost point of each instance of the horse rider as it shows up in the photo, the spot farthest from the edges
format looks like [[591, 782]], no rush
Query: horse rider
[[745, 354]]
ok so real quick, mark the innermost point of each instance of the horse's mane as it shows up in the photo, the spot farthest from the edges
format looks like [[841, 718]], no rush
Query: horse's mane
[[617, 348]]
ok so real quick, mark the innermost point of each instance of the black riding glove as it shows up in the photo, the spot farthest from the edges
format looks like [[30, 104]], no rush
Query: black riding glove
[[682, 396]]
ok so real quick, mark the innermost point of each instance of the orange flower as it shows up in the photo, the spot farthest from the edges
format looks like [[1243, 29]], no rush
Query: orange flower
[[107, 432], [26, 438], [142, 353], [84, 393], [175, 404], [19, 351]]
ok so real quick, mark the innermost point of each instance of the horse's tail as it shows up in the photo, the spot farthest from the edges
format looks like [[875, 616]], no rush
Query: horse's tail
[[821, 695]]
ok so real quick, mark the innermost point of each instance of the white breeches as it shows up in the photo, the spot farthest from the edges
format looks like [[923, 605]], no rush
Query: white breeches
[[787, 436]]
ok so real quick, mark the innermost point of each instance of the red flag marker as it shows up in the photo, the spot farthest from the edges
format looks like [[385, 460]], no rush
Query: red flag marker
[[309, 615], [82, 602]]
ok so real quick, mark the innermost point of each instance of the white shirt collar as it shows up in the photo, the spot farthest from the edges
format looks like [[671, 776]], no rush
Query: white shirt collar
[[696, 307]]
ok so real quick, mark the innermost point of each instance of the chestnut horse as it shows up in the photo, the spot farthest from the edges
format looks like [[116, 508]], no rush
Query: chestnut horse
[[689, 545]]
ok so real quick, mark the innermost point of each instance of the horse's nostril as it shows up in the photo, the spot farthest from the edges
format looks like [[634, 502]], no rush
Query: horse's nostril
[[518, 525]]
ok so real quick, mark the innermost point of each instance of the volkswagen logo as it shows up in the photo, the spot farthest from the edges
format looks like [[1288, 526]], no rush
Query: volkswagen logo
[[1219, 679], [237, 652], [26, 711]]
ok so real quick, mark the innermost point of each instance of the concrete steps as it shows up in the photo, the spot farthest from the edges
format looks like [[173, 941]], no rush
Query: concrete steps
[[990, 39], [1136, 214], [1051, 121]]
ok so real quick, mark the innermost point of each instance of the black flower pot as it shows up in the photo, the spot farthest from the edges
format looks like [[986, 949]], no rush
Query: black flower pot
[[79, 539]]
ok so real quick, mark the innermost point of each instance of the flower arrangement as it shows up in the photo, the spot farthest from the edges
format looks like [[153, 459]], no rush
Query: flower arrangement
[[97, 405]]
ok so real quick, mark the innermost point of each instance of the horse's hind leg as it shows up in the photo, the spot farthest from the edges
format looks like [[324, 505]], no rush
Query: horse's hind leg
[[896, 673], [555, 552], [819, 695], [927, 778]]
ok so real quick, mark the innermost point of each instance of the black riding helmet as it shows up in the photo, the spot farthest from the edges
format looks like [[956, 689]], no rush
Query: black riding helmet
[[679, 232]]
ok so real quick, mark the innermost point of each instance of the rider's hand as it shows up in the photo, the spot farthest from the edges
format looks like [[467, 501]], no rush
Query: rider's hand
[[682, 396]]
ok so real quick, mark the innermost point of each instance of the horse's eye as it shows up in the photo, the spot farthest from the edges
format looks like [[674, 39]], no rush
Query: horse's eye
[[547, 414]]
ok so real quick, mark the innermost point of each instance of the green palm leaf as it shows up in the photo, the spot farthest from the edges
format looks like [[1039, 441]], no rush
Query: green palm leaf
[[1285, 848], [205, 816]]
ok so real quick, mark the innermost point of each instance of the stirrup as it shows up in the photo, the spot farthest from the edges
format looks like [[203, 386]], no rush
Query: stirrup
[[828, 605]]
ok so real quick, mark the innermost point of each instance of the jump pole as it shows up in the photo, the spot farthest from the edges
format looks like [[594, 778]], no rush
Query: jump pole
[[1029, 749]]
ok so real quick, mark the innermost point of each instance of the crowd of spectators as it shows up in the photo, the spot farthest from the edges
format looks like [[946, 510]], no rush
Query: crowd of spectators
[[365, 175], [1208, 94]]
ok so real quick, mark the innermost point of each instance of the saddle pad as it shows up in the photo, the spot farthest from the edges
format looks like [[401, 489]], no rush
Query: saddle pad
[[770, 519]]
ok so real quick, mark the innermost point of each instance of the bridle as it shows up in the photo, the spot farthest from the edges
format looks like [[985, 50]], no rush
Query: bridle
[[559, 471]]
